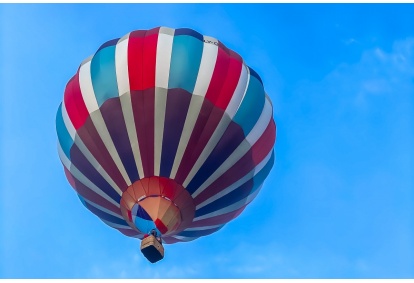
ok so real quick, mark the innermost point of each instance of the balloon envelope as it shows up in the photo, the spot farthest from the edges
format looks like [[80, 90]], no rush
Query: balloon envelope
[[166, 129]]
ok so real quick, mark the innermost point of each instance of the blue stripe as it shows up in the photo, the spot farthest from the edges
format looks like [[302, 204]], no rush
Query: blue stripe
[[185, 62], [262, 175], [82, 200], [103, 74], [252, 106], [240, 193], [230, 140], [65, 140], [254, 74], [194, 234], [187, 31], [108, 43]]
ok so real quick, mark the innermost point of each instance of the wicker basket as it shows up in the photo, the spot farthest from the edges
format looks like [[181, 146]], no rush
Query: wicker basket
[[152, 249]]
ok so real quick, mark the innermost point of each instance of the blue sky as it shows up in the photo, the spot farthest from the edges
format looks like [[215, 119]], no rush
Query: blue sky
[[339, 201]]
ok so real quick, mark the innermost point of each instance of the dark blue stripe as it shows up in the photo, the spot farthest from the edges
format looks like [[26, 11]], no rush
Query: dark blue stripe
[[187, 31], [240, 193], [193, 234], [230, 140], [106, 216], [83, 165], [114, 119], [254, 74], [108, 43], [178, 101], [232, 197]]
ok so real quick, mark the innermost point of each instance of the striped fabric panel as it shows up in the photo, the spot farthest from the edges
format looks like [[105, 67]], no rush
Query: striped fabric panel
[[233, 145], [67, 134], [205, 72], [221, 128], [186, 97], [249, 154], [224, 79], [84, 186]]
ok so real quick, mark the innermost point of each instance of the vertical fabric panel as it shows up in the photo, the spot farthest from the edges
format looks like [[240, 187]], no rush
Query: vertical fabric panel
[[178, 101], [185, 61], [75, 106], [103, 73], [64, 137], [251, 106]]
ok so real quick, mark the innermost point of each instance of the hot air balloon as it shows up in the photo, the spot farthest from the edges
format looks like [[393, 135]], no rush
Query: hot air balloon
[[166, 131]]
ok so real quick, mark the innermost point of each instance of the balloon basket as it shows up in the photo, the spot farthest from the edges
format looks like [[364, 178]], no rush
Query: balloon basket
[[152, 249]]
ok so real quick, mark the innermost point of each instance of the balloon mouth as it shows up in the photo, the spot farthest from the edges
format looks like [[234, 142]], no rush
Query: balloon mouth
[[157, 203]]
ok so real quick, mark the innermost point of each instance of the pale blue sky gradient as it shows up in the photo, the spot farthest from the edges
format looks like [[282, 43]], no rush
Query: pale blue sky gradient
[[339, 201]]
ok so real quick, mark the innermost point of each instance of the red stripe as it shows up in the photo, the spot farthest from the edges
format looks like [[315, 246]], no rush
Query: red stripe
[[128, 232], [143, 108], [219, 75], [149, 58], [204, 127], [70, 178], [230, 83], [142, 53], [75, 106], [243, 166], [97, 148], [90, 195], [265, 143], [135, 59], [171, 240]]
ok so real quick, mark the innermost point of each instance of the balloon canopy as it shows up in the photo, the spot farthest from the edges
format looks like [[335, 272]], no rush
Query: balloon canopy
[[166, 129]]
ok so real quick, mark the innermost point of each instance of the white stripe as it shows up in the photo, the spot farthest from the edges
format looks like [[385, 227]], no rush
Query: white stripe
[[121, 65], [238, 153], [162, 67], [242, 149], [184, 239], [193, 112], [239, 182], [207, 65], [230, 208], [239, 92], [159, 112], [247, 85], [115, 225], [82, 178], [162, 72], [85, 151], [203, 228], [68, 123], [205, 73], [261, 123], [65, 160], [86, 87], [103, 209], [122, 75], [223, 124], [89, 97]]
